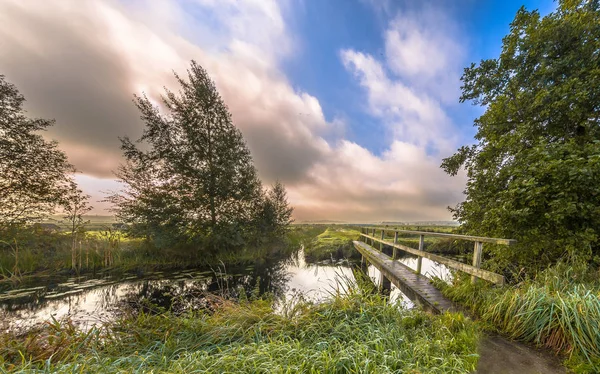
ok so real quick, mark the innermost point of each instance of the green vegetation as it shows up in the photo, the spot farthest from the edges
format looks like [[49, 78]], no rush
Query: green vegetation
[[534, 173], [189, 181], [36, 250], [559, 309], [191, 192], [35, 175], [333, 243], [360, 332]]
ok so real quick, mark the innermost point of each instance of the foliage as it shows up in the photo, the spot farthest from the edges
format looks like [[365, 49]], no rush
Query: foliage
[[75, 205], [535, 171], [195, 184], [277, 212], [560, 310], [34, 173], [353, 333]]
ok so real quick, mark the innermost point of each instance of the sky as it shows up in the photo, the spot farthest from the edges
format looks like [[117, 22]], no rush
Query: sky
[[352, 104]]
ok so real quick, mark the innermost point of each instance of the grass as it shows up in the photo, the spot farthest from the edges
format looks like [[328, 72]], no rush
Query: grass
[[559, 309], [35, 251], [333, 243], [357, 332]]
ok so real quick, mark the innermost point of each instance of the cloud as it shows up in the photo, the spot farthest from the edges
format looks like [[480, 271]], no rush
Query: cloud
[[80, 62], [412, 116], [407, 91], [421, 48]]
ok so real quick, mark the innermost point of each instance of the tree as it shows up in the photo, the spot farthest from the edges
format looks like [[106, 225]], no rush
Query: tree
[[275, 215], [535, 170], [195, 182], [75, 206], [282, 211], [34, 173]]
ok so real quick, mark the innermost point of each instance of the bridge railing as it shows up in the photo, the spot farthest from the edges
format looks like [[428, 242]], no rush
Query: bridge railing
[[475, 269]]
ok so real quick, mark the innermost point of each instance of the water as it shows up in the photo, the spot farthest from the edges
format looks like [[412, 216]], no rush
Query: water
[[92, 300]]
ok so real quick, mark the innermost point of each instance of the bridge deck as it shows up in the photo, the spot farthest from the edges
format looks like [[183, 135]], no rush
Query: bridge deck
[[417, 287]]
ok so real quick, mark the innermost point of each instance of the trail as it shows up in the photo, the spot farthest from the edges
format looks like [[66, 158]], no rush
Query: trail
[[499, 355]]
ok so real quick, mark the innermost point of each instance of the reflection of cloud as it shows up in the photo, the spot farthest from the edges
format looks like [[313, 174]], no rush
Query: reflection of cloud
[[80, 62]]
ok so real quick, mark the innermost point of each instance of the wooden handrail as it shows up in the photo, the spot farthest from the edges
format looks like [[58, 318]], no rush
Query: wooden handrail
[[474, 270], [479, 239]]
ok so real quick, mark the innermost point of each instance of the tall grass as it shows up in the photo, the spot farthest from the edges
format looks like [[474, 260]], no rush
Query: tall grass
[[558, 310], [357, 332], [42, 251]]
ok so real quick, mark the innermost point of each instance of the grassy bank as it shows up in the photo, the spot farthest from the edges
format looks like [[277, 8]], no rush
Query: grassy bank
[[333, 243], [560, 310], [32, 251], [359, 332]]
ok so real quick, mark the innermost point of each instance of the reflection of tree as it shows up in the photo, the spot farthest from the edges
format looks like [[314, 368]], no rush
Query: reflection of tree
[[178, 290], [156, 296]]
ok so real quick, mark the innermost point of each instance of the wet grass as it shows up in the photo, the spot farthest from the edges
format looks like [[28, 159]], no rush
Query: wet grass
[[560, 310], [334, 243], [356, 332]]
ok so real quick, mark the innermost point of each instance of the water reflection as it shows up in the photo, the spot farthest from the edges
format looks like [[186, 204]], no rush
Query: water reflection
[[90, 300], [87, 301]]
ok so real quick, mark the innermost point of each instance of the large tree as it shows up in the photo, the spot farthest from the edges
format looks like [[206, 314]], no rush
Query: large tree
[[534, 173], [34, 172], [194, 179]]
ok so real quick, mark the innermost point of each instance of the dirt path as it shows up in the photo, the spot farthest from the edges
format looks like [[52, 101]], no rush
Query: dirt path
[[501, 356]]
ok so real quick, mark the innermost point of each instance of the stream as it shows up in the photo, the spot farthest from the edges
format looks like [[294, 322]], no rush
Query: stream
[[89, 300]]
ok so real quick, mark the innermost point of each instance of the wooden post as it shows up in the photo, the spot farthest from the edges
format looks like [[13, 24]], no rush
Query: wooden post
[[364, 266], [373, 240], [395, 253], [477, 258], [385, 285], [421, 247], [381, 243]]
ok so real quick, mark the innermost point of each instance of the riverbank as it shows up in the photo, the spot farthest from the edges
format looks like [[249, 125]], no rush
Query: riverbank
[[558, 310], [356, 332], [33, 252], [332, 243]]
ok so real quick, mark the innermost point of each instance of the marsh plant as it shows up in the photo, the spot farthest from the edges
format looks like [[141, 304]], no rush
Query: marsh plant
[[356, 332]]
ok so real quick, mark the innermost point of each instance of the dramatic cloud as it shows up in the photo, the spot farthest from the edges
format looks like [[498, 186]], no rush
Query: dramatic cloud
[[81, 61]]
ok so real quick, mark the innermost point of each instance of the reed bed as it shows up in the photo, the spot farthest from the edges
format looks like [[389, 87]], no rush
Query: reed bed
[[359, 332]]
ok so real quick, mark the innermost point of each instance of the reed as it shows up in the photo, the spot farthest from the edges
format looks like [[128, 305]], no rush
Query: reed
[[559, 310], [355, 332]]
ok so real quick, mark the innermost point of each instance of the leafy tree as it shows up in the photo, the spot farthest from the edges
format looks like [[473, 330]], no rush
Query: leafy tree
[[534, 173], [193, 181], [34, 173], [275, 214], [75, 206], [282, 211]]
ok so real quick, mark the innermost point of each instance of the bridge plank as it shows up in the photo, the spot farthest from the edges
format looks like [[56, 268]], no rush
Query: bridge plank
[[416, 286], [480, 273]]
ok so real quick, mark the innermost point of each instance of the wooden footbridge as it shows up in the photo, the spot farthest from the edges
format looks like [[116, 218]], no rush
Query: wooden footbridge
[[411, 282]]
